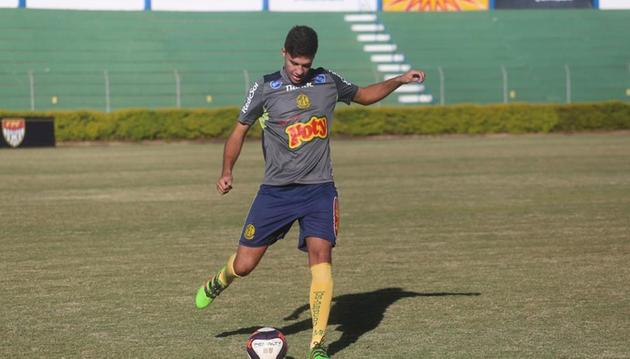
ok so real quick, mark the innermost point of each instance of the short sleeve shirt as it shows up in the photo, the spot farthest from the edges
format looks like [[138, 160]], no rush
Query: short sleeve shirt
[[296, 122]]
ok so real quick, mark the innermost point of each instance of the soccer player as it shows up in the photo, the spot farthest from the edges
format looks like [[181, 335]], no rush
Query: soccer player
[[295, 109]]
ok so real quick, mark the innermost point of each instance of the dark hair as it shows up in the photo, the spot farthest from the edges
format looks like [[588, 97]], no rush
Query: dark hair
[[301, 41]]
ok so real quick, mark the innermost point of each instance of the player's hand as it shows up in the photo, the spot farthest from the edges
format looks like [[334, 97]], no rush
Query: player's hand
[[412, 76], [224, 184]]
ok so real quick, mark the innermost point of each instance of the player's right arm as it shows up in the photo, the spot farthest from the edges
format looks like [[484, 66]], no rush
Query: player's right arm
[[252, 109], [231, 151], [378, 91]]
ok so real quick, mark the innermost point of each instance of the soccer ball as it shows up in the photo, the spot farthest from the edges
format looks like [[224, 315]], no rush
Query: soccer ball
[[267, 343]]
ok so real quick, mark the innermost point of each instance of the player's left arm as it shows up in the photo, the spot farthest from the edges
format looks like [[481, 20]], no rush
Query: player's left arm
[[378, 91]]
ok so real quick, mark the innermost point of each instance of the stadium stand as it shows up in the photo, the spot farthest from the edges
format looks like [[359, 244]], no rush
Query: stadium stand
[[533, 46], [111, 60], [215, 54]]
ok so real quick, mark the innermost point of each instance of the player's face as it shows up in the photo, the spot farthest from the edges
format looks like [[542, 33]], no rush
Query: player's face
[[296, 67]]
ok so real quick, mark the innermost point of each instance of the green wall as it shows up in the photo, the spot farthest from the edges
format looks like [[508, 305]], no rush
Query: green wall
[[217, 54], [533, 46]]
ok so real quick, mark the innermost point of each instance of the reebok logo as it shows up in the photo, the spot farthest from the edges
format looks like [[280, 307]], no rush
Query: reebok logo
[[250, 96]]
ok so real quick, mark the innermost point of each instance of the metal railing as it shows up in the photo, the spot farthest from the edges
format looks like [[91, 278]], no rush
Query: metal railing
[[517, 83], [106, 90]]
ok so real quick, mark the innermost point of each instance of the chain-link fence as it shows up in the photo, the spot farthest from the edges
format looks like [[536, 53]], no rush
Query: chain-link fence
[[106, 90], [519, 83]]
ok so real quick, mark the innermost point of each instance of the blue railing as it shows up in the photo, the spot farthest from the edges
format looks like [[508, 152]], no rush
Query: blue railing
[[265, 4]]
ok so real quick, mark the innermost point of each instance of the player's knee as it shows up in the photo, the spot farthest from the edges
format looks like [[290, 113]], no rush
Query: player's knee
[[243, 273], [319, 250], [247, 259], [319, 257], [242, 269]]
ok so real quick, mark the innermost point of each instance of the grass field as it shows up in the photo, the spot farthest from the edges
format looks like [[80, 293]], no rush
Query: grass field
[[450, 247]]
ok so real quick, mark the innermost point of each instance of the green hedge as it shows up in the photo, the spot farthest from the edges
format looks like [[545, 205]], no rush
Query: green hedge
[[135, 125], [477, 119]]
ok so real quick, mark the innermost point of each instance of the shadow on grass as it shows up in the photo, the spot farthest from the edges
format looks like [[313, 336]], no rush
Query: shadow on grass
[[356, 314]]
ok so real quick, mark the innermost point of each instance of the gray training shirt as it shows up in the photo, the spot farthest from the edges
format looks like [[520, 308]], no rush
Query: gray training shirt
[[296, 121]]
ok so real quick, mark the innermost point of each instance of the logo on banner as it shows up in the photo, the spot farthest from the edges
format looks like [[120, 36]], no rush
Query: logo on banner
[[434, 5], [13, 130]]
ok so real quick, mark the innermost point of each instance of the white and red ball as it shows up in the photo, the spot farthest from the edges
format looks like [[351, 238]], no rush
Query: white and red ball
[[267, 343]]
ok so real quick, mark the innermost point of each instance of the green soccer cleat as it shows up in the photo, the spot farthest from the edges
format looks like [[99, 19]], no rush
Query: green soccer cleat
[[318, 352], [201, 300], [206, 295]]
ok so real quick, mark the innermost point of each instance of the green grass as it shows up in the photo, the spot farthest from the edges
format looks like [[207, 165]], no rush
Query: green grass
[[502, 247]]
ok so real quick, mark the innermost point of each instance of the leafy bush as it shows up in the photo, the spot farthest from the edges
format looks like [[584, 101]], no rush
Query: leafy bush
[[173, 124]]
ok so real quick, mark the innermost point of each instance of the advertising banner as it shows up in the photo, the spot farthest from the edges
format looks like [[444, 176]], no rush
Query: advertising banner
[[27, 132], [322, 5], [207, 5], [434, 5], [542, 4], [86, 4], [614, 4], [9, 3]]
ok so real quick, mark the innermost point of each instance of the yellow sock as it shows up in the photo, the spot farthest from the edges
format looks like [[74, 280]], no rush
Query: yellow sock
[[226, 274], [320, 299]]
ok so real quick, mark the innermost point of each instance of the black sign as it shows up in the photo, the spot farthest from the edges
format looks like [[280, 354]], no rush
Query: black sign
[[27, 132], [542, 4]]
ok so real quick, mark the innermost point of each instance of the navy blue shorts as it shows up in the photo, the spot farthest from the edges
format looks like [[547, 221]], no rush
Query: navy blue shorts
[[275, 208]]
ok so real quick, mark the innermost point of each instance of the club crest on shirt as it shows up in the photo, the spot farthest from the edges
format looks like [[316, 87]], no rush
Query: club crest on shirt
[[250, 230], [13, 130], [301, 132], [302, 101]]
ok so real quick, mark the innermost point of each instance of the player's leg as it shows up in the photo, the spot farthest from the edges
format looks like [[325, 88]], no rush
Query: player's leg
[[320, 298], [247, 258], [238, 265], [318, 236], [269, 219]]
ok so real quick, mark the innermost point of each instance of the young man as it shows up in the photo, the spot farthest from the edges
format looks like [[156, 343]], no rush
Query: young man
[[298, 102]]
